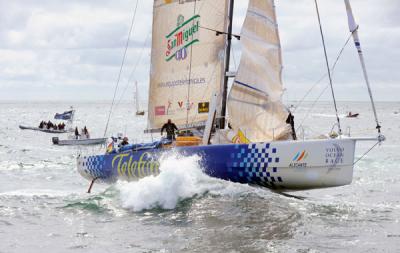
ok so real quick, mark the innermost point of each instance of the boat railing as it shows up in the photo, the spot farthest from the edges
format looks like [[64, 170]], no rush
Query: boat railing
[[348, 131], [302, 132]]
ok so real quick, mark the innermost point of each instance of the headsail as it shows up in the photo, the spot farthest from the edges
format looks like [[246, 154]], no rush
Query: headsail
[[254, 104], [187, 60]]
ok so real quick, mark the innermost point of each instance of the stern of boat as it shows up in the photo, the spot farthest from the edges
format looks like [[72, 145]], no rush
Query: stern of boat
[[318, 164], [286, 165]]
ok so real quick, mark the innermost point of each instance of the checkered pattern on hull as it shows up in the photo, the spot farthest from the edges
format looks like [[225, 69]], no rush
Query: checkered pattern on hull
[[94, 167], [256, 164]]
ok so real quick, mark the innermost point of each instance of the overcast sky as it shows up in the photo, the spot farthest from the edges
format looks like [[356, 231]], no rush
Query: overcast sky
[[72, 50]]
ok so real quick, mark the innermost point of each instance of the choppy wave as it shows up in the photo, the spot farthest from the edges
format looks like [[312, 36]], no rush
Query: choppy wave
[[184, 210], [180, 178]]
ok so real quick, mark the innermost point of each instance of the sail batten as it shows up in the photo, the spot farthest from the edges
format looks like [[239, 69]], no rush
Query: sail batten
[[256, 111], [259, 15]]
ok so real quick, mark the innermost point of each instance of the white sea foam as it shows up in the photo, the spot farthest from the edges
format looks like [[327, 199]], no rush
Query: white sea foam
[[180, 178]]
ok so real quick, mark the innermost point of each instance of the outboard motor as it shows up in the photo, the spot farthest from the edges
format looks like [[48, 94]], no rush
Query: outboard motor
[[55, 140]]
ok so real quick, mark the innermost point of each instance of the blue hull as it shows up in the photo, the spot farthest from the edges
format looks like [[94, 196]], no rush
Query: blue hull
[[291, 165], [237, 163]]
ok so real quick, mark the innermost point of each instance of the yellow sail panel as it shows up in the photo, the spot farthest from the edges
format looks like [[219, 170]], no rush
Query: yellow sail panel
[[254, 102], [187, 60]]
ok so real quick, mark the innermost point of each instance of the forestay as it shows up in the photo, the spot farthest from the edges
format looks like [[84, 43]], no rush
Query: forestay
[[187, 60], [254, 103]]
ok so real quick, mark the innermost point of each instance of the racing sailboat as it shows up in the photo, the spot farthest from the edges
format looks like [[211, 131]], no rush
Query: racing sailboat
[[138, 111], [189, 76]]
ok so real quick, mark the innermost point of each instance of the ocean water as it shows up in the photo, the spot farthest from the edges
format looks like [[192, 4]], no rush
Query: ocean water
[[44, 206]]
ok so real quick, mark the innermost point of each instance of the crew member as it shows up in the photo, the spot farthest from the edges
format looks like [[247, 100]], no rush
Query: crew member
[[170, 129], [76, 133], [290, 121], [86, 132], [123, 142]]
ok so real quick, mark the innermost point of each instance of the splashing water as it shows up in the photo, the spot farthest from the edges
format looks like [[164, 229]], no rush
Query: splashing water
[[180, 178]]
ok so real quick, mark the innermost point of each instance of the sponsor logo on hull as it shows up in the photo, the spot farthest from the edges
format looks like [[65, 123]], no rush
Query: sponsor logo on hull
[[135, 168], [299, 159], [334, 155]]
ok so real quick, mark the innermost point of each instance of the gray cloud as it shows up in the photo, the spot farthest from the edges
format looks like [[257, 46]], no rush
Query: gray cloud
[[54, 48]]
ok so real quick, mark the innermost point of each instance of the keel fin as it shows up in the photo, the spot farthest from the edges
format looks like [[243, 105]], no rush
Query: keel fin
[[91, 185]]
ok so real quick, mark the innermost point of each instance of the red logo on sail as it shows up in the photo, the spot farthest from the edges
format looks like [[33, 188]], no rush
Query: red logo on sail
[[159, 110]]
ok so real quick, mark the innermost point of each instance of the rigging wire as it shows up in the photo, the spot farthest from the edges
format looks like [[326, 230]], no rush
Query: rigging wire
[[319, 81], [134, 69], [325, 75], [233, 57], [122, 65], [190, 73], [369, 150], [327, 65]]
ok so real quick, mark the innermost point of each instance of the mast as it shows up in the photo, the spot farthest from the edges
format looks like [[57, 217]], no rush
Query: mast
[[227, 60], [354, 30]]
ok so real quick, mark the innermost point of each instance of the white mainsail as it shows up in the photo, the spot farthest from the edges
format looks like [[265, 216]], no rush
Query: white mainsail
[[187, 60], [256, 112]]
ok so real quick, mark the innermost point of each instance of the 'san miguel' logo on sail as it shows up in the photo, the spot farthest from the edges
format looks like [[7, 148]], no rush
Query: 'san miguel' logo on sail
[[299, 160], [183, 36]]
